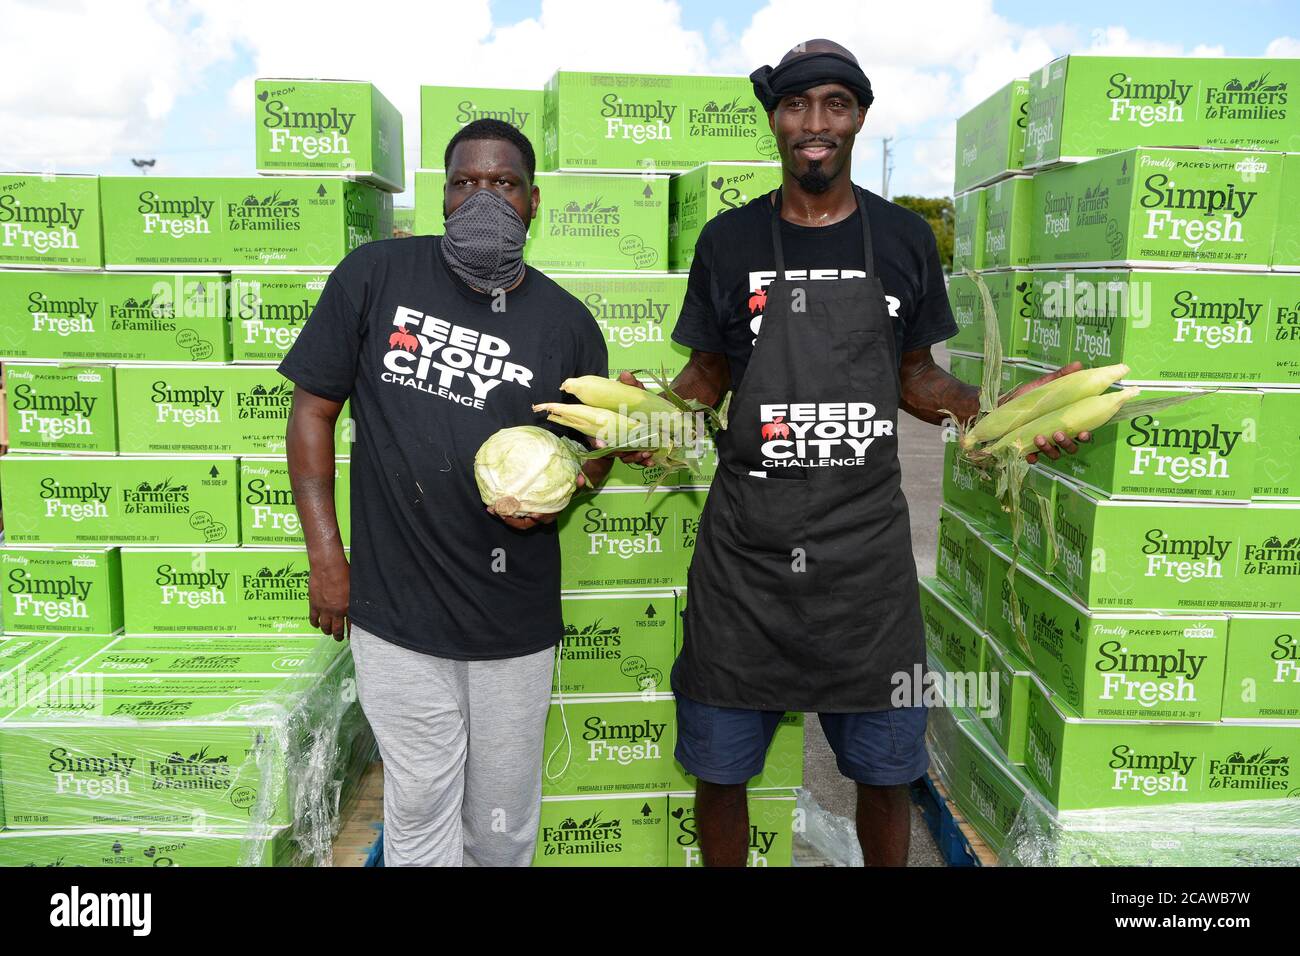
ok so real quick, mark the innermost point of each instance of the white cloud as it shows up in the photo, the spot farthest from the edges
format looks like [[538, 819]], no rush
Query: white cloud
[[1283, 46], [1117, 41], [86, 80]]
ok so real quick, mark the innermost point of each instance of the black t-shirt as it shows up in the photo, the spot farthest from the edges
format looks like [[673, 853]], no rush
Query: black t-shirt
[[734, 262], [432, 369]]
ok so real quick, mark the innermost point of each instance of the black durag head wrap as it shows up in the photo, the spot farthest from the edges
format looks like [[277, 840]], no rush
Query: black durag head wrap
[[804, 72]]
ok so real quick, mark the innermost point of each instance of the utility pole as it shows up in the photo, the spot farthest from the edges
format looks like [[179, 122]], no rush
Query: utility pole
[[884, 167]]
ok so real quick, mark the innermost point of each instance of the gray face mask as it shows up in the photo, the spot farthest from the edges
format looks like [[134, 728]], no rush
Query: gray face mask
[[483, 242]]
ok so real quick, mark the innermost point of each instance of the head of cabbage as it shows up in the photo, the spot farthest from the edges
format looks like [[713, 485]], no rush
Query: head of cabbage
[[527, 470]]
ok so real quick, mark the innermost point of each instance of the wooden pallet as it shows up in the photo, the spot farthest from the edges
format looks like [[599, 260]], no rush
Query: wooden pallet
[[957, 840], [361, 824]]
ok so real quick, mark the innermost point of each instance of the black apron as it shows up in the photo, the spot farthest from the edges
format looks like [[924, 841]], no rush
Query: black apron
[[802, 593]]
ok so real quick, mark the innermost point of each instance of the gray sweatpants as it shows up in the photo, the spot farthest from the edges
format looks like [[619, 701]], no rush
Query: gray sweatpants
[[462, 747]]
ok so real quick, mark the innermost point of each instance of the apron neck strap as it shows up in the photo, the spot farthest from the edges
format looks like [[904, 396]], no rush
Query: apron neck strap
[[779, 249]]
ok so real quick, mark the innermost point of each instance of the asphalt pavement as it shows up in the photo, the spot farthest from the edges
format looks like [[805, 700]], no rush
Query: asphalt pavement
[[920, 449]]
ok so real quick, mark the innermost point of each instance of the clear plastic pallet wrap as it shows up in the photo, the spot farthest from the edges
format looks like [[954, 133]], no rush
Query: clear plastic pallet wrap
[[1016, 821], [176, 768], [1242, 833]]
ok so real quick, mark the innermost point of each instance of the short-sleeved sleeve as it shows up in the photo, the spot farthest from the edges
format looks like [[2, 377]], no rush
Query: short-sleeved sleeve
[[592, 354], [699, 326], [324, 358], [932, 319]]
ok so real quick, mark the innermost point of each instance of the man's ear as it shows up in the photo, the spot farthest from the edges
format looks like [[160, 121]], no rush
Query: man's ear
[[536, 202], [862, 118], [771, 120]]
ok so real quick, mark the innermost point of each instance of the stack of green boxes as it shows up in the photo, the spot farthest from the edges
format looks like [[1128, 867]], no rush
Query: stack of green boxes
[[163, 701], [1143, 652], [630, 168]]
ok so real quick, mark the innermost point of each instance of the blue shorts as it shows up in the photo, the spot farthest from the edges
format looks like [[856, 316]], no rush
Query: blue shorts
[[728, 745]]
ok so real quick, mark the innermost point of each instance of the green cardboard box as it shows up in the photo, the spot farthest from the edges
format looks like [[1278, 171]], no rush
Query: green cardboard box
[[49, 221], [629, 830], [187, 751], [951, 636], [1277, 465], [268, 311], [1174, 327], [403, 221], [1051, 317], [1086, 106], [596, 223], [1006, 721], [216, 591], [1262, 680], [1286, 240], [1114, 665], [216, 224], [103, 317], [1008, 216], [987, 788], [974, 493], [602, 745], [61, 592], [271, 657], [617, 643], [620, 122], [1202, 450], [637, 314], [968, 232], [696, 196], [29, 663], [1177, 555], [268, 516], [1012, 303], [123, 500], [624, 538], [124, 848], [445, 109], [1080, 765], [965, 366], [954, 535], [991, 137], [773, 819], [61, 408], [182, 410], [968, 311], [308, 127], [1166, 207]]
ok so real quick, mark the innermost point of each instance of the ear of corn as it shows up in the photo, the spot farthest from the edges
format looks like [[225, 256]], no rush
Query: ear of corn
[[1041, 401], [1087, 414], [611, 394], [608, 426]]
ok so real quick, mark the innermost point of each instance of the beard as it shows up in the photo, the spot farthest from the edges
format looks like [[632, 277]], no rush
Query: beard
[[815, 180]]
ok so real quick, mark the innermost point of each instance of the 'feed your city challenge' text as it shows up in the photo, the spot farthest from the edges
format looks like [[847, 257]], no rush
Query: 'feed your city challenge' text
[[453, 362], [819, 434]]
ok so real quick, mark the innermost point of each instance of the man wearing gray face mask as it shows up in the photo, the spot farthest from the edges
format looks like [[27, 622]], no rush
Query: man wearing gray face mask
[[453, 612]]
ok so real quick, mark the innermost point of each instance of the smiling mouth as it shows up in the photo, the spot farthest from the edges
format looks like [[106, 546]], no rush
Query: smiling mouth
[[815, 151]]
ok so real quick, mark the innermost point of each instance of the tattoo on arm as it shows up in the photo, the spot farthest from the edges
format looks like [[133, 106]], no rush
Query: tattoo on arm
[[926, 388]]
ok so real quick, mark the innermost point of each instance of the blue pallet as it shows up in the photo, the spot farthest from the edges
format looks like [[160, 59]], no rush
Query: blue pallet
[[937, 814], [376, 856]]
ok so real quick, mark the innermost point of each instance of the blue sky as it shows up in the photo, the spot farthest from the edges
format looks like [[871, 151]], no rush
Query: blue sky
[[182, 93]]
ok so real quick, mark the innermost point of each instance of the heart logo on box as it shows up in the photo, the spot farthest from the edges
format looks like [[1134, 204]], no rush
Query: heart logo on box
[[679, 813], [717, 183], [263, 95]]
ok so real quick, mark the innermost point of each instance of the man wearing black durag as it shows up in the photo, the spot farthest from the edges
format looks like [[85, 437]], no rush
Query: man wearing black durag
[[817, 305]]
